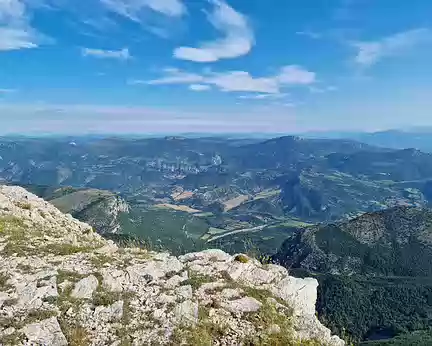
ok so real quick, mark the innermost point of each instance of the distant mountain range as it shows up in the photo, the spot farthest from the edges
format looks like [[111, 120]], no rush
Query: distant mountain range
[[189, 193], [417, 138]]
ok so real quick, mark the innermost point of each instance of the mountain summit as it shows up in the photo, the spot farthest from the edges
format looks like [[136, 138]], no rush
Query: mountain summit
[[63, 284]]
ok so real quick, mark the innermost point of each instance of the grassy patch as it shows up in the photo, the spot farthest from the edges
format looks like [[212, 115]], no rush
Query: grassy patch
[[242, 258], [99, 260], [11, 340], [24, 205], [64, 275], [10, 302], [25, 268], [38, 315], [203, 333], [3, 282], [102, 297], [64, 249], [196, 280], [267, 317], [75, 334], [13, 229]]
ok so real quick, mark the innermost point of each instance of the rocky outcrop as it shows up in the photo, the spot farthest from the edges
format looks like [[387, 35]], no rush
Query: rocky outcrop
[[61, 283], [395, 242], [99, 208]]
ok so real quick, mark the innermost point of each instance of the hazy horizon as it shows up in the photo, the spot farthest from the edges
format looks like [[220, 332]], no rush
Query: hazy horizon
[[213, 66]]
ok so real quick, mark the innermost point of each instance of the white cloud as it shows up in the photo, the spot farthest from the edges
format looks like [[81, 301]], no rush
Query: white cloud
[[238, 81], [310, 34], [237, 41], [133, 9], [199, 87], [243, 81], [175, 76], [15, 30], [263, 96], [16, 38], [122, 54], [371, 52], [321, 90], [294, 74]]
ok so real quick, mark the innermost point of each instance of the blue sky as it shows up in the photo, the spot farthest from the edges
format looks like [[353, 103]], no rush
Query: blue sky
[[214, 65]]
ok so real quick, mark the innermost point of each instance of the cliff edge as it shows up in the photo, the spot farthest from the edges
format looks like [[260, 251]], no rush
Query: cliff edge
[[63, 284]]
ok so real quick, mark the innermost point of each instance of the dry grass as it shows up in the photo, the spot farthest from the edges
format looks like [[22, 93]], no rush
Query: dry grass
[[235, 202], [184, 208]]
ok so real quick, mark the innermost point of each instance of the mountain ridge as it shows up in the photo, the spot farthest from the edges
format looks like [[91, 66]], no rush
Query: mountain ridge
[[60, 283]]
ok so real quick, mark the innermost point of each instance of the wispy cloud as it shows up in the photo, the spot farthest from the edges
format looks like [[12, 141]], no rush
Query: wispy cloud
[[371, 52], [237, 41], [80, 119], [322, 90], [263, 96], [122, 54], [7, 91], [199, 87], [310, 34], [243, 81], [133, 9], [15, 30], [294, 74], [175, 76], [237, 81]]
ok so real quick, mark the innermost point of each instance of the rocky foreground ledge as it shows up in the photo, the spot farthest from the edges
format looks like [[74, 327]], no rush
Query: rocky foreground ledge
[[63, 284]]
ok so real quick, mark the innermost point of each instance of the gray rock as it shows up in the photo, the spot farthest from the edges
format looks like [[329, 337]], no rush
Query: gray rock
[[173, 282], [84, 288], [206, 255], [186, 312], [48, 289], [184, 292], [250, 273], [46, 332], [9, 331], [110, 313], [156, 269], [230, 293], [300, 294], [3, 296], [112, 279], [166, 299], [245, 304]]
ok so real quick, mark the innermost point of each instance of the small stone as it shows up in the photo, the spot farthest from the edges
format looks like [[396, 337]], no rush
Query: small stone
[[148, 278], [46, 332], [159, 314], [173, 282], [9, 331], [274, 329], [166, 299], [84, 288], [65, 284]]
